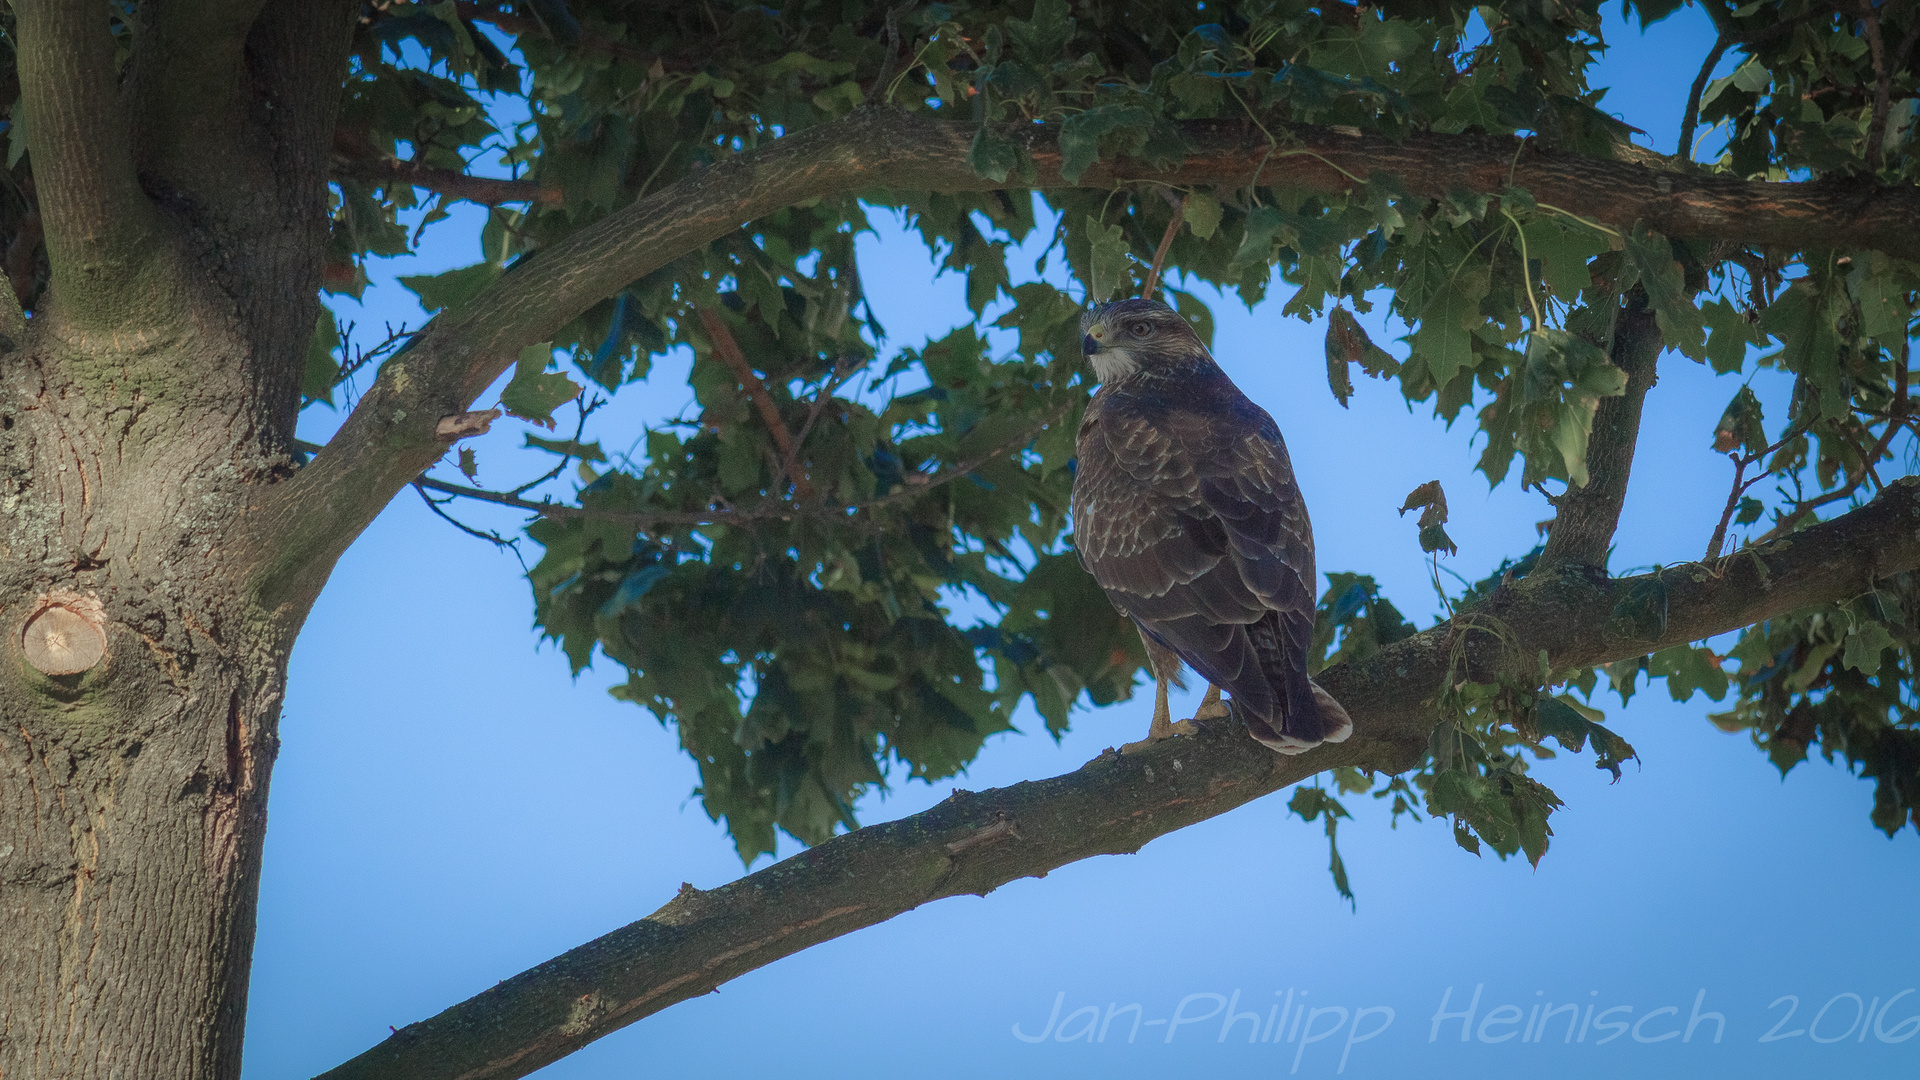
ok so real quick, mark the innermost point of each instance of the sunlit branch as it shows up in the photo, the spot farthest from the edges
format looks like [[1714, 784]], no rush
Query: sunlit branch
[[390, 437], [975, 842]]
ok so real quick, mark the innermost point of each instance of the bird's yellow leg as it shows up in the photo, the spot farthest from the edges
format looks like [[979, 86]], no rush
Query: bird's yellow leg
[[1211, 708], [1163, 726]]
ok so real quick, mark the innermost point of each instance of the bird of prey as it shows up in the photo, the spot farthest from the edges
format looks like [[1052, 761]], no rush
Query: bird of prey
[[1186, 512]]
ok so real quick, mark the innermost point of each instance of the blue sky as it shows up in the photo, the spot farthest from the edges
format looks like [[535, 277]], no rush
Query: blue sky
[[451, 807]]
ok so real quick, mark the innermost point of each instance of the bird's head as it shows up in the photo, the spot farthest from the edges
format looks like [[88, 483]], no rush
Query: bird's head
[[1128, 336]]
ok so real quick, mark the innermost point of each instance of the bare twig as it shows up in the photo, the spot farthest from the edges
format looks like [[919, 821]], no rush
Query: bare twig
[[489, 536], [1166, 241], [770, 510], [1898, 409], [883, 81], [842, 371], [1740, 486], [729, 352]]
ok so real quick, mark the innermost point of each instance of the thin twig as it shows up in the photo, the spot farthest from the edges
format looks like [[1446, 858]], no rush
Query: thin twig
[[493, 538], [1897, 408], [1166, 241], [729, 352], [843, 371], [770, 510], [579, 429]]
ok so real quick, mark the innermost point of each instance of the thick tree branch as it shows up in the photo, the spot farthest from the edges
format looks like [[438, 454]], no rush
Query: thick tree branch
[[188, 100], [1587, 516], [976, 842], [1691, 119], [388, 440], [99, 225]]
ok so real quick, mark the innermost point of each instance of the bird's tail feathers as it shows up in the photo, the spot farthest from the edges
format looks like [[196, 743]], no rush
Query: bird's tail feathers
[[1299, 734]]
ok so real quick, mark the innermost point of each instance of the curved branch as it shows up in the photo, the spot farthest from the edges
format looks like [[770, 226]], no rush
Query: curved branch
[[977, 841], [389, 439], [1691, 119]]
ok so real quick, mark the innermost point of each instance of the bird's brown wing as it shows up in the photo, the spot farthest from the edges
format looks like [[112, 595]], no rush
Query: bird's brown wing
[[1190, 518]]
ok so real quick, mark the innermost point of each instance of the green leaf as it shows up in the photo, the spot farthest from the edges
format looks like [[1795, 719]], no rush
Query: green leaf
[[1082, 134], [1742, 425], [567, 448], [1111, 267], [1865, 644], [1660, 274], [1196, 312], [321, 370], [469, 464], [452, 289], [1753, 76], [1563, 250], [1732, 334], [992, 156], [1203, 214], [1313, 802], [1880, 287], [16, 136], [1568, 722], [1750, 510], [1445, 337], [1688, 669], [1042, 39], [1262, 228], [534, 394], [1809, 345]]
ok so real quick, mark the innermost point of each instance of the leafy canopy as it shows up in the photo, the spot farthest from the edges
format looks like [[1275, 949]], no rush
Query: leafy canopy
[[778, 569]]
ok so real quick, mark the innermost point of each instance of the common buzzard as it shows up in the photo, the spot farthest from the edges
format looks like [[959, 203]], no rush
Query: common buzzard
[[1186, 512]]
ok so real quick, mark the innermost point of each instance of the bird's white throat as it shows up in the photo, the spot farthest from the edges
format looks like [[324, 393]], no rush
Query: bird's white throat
[[1113, 363]]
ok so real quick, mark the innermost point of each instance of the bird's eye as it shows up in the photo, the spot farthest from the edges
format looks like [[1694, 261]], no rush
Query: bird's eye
[[1139, 329]]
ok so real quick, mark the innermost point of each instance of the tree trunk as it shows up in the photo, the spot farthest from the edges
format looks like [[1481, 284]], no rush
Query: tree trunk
[[147, 410], [140, 688], [131, 821]]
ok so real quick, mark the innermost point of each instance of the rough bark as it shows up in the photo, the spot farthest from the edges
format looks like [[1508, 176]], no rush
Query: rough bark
[[977, 841], [147, 409], [142, 408], [1586, 517], [391, 438]]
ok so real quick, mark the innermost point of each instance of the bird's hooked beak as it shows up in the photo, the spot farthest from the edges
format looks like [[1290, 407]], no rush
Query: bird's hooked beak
[[1109, 361], [1091, 341]]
